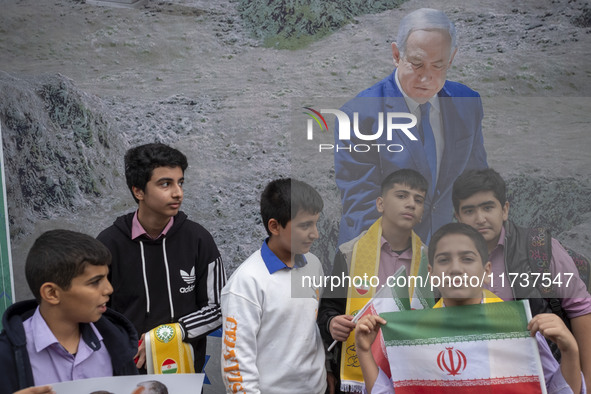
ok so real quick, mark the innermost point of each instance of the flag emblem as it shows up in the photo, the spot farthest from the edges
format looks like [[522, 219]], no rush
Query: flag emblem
[[169, 366], [451, 362], [165, 333], [363, 288]]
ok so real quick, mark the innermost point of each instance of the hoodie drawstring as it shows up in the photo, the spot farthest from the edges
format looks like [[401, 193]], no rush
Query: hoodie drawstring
[[167, 278], [145, 278]]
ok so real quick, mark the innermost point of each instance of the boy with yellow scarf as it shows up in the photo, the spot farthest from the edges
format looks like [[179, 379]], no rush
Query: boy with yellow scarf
[[389, 244]]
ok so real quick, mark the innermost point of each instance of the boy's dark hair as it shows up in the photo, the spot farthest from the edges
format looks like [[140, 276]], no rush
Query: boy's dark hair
[[140, 162], [463, 229], [58, 256], [405, 176], [283, 198], [475, 181]]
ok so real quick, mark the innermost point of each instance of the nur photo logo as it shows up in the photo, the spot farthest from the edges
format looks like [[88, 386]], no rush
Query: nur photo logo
[[392, 125]]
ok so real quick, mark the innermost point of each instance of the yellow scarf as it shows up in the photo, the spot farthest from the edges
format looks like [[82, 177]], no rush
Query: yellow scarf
[[365, 262], [166, 353]]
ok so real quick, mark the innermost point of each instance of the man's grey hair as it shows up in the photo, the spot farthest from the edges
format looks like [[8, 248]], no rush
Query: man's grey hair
[[424, 19], [153, 387]]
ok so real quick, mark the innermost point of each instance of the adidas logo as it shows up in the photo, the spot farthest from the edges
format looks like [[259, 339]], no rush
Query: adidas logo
[[189, 279]]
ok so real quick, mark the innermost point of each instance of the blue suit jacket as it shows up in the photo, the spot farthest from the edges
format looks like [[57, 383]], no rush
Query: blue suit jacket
[[359, 174]]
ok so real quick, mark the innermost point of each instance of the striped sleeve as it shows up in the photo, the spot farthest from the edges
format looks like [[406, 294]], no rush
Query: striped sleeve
[[209, 317]]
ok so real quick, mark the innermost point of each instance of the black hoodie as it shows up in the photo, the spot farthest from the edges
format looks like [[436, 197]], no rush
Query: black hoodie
[[119, 337], [176, 278]]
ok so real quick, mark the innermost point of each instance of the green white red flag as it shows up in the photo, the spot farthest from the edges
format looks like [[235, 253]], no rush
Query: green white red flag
[[483, 348], [385, 299]]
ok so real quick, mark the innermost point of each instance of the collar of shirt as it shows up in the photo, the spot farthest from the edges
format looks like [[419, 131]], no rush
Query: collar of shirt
[[406, 253], [43, 336], [412, 105], [137, 230], [501, 242], [497, 260], [273, 262]]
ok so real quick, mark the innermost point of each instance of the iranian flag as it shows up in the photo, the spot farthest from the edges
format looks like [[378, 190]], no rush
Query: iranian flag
[[482, 348], [385, 300], [381, 303]]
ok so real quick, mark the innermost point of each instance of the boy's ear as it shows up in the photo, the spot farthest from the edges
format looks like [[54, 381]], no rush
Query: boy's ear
[[273, 226], [487, 271], [380, 204], [506, 211], [50, 293], [137, 192]]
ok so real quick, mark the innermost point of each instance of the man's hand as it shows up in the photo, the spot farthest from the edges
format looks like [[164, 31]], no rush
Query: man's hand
[[340, 327], [140, 356], [36, 390], [366, 332]]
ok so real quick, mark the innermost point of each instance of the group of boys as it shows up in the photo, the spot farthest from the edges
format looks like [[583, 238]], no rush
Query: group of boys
[[154, 266], [484, 244], [141, 265], [273, 331], [272, 322]]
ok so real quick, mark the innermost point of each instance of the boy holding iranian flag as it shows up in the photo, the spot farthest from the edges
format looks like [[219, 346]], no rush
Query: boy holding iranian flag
[[437, 351]]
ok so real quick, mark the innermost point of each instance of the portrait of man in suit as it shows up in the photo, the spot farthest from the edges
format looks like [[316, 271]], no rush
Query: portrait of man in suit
[[447, 135]]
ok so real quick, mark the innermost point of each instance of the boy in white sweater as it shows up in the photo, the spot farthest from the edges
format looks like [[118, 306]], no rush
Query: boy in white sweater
[[271, 343]]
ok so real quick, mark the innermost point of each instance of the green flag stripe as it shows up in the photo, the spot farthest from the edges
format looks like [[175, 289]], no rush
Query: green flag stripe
[[457, 339], [400, 294], [502, 318]]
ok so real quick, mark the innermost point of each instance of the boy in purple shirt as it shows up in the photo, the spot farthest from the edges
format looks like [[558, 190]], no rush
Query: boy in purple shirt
[[458, 250], [67, 333], [479, 199]]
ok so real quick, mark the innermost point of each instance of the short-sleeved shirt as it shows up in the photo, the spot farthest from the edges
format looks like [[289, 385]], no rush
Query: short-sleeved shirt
[[52, 363]]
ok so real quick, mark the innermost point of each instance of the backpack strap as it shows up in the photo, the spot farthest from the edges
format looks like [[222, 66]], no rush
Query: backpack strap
[[539, 249], [540, 254]]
